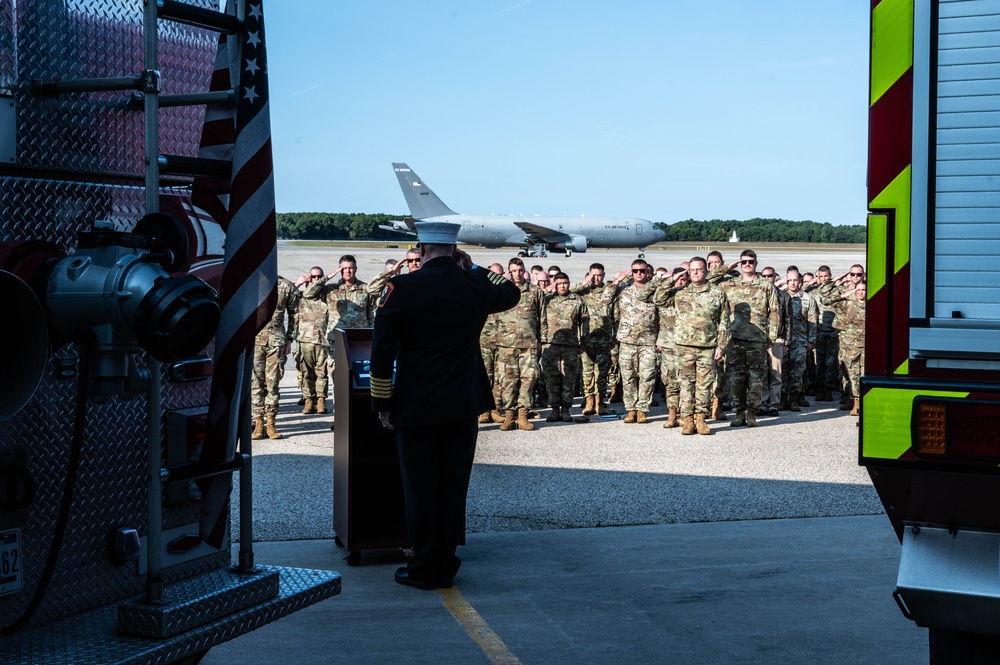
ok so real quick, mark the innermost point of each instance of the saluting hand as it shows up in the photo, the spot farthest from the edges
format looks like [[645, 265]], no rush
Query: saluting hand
[[463, 259]]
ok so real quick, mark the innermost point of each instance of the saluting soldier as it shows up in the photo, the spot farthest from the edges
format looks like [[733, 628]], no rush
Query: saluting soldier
[[428, 326], [348, 301], [519, 343], [491, 353], [596, 358], [701, 332], [270, 351], [636, 339], [565, 329], [311, 348], [663, 298]]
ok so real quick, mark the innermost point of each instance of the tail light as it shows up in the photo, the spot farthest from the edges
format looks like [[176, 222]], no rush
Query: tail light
[[956, 428]]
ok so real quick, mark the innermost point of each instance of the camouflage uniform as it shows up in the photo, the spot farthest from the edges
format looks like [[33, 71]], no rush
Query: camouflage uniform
[[269, 351], [490, 352], [597, 350], [777, 353], [802, 331], [722, 389], [637, 332], [349, 306], [850, 322], [827, 346], [701, 328], [518, 336], [565, 327], [755, 311], [311, 352], [663, 298]]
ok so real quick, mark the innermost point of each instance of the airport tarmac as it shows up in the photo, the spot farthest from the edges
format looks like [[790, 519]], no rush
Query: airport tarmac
[[296, 259], [601, 542]]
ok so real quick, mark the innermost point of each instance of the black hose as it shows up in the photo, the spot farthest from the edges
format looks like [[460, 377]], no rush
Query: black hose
[[75, 452]]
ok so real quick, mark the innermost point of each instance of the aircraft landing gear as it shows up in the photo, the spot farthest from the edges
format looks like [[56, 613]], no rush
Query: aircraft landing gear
[[642, 252], [569, 253]]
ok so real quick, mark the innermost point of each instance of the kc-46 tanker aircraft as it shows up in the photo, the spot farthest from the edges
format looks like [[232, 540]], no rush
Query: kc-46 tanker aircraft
[[569, 234]]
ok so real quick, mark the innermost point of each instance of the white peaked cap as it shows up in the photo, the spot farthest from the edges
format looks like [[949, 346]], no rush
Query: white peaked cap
[[438, 233]]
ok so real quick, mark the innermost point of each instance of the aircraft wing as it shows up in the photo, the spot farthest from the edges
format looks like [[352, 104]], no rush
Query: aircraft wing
[[537, 233], [398, 226]]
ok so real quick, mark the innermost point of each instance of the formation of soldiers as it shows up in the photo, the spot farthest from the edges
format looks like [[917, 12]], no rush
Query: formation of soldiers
[[714, 337]]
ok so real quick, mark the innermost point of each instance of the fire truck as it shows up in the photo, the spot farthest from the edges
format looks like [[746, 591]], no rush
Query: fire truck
[[109, 279], [930, 417]]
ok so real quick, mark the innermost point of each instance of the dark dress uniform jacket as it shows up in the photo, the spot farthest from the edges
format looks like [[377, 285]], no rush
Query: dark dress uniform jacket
[[429, 322]]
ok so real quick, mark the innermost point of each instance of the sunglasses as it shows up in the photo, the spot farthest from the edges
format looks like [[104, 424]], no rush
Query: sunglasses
[[769, 275], [639, 270], [413, 260], [748, 262], [857, 274]]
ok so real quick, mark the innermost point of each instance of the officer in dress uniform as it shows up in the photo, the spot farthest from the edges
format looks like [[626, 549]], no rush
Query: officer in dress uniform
[[428, 323]]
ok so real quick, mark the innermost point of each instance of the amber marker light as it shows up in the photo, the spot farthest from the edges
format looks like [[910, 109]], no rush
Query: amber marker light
[[956, 428]]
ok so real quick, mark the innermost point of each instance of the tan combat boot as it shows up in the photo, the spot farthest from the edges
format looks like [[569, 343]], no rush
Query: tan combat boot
[[717, 412], [522, 419], [856, 411], [671, 418], [272, 430], [699, 424], [602, 408], [496, 416], [740, 420], [640, 417], [751, 418], [629, 417], [310, 406], [588, 406], [321, 405], [508, 421], [793, 402], [258, 428], [687, 425], [484, 418], [555, 416]]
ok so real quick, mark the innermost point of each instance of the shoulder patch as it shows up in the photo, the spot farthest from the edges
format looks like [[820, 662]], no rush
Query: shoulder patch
[[495, 278], [386, 292]]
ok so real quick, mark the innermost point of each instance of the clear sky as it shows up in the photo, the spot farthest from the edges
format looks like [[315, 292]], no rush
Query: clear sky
[[665, 110]]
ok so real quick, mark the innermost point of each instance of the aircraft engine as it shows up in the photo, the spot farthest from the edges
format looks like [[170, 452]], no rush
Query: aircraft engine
[[574, 244]]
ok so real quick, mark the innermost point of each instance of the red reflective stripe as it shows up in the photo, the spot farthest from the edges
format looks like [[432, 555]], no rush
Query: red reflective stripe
[[890, 135]]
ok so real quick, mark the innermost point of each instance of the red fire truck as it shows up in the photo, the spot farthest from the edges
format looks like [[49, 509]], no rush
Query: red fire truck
[[930, 424], [105, 381]]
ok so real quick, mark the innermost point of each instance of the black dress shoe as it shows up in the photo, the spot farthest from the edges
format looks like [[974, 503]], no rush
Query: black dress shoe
[[403, 577], [771, 411]]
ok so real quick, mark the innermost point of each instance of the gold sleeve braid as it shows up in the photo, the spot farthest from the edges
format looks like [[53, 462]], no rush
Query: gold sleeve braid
[[381, 388]]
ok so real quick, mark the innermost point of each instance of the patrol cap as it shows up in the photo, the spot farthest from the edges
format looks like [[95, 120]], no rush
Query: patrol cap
[[438, 233]]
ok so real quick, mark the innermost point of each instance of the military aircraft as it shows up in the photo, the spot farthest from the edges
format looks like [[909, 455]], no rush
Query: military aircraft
[[569, 234]]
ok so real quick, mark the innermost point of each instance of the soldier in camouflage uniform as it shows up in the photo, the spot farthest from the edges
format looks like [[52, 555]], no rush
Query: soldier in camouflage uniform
[[311, 351], [827, 343], [802, 330], [701, 332], [636, 338], [719, 272], [350, 305], [663, 298], [753, 303], [490, 351], [519, 342], [565, 327], [770, 398], [596, 359], [849, 304], [270, 351]]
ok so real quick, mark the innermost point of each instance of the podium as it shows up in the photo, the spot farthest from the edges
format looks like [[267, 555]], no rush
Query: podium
[[368, 505]]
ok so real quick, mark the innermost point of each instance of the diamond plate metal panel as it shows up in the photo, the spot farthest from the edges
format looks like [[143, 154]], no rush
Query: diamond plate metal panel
[[196, 601], [90, 637], [98, 133]]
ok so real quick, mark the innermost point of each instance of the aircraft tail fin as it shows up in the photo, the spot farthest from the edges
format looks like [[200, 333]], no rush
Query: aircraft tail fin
[[421, 200]]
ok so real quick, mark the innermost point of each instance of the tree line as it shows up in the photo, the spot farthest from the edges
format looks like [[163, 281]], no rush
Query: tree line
[[763, 230], [365, 226]]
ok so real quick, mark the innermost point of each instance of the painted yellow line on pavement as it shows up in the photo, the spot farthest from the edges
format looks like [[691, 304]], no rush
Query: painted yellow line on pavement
[[469, 618]]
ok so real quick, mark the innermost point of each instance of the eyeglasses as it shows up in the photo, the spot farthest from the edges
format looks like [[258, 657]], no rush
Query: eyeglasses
[[315, 276], [638, 270], [857, 274], [413, 260], [748, 262], [769, 275]]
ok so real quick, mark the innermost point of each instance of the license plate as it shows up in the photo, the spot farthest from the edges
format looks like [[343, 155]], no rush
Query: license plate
[[10, 561]]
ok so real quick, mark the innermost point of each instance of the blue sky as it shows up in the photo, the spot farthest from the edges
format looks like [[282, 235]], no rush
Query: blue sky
[[663, 110]]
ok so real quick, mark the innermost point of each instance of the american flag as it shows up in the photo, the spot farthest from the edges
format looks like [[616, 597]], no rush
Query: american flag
[[247, 296]]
